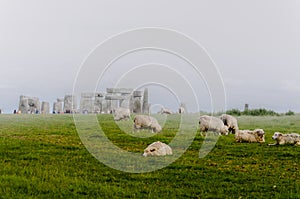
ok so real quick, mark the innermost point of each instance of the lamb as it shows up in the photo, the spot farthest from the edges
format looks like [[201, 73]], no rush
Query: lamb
[[210, 123], [146, 122], [230, 122], [121, 113], [157, 149], [257, 135], [292, 138]]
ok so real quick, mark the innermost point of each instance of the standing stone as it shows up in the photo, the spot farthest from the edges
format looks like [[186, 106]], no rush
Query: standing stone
[[45, 109], [23, 105], [98, 102], [182, 108], [87, 102], [29, 105], [58, 106], [70, 104], [137, 104], [146, 102]]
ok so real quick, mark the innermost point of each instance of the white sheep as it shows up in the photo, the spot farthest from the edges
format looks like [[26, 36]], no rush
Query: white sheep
[[146, 122], [157, 149], [292, 138], [230, 122], [121, 113], [257, 135], [166, 111], [211, 123]]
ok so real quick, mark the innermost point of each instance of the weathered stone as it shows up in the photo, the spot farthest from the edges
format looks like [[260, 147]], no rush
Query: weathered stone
[[116, 97], [137, 93], [119, 90], [45, 109], [29, 105], [87, 102], [99, 97], [145, 102], [57, 107], [70, 104]]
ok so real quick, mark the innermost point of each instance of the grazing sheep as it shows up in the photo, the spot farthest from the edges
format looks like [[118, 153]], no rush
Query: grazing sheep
[[157, 149], [166, 111], [210, 123], [146, 122], [121, 113], [257, 135], [292, 138], [230, 122]]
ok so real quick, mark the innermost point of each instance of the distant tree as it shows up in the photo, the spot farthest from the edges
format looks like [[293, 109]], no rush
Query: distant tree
[[290, 113], [234, 112]]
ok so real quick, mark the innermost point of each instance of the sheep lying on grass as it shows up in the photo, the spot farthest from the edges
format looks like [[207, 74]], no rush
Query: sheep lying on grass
[[146, 122], [210, 123], [292, 138], [257, 135], [157, 149]]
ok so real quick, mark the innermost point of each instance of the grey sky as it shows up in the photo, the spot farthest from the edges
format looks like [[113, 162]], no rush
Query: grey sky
[[255, 44]]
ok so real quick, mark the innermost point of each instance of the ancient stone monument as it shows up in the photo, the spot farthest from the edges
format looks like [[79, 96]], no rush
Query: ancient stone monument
[[136, 101], [29, 105]]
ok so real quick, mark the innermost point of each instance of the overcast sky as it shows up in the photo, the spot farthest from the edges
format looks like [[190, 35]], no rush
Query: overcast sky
[[255, 44]]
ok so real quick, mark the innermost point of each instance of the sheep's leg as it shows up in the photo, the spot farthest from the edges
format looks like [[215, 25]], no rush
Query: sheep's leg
[[273, 144]]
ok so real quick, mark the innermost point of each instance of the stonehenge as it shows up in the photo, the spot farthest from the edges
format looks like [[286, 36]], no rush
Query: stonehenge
[[90, 102]]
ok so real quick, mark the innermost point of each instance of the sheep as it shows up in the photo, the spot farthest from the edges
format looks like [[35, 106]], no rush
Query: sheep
[[292, 138], [166, 111], [157, 149], [230, 122], [210, 123], [257, 135], [121, 113], [146, 122]]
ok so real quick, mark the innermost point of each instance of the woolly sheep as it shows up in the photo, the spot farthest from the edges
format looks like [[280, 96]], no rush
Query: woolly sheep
[[257, 135], [121, 113], [292, 138], [146, 122], [210, 123], [157, 149], [230, 122], [166, 111]]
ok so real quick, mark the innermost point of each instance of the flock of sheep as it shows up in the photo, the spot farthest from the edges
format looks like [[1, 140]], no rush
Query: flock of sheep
[[220, 125]]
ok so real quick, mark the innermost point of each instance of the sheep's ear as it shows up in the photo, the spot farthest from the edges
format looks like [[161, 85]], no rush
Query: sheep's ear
[[151, 150]]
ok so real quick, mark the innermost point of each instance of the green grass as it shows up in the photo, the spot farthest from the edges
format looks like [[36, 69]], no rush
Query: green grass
[[42, 156]]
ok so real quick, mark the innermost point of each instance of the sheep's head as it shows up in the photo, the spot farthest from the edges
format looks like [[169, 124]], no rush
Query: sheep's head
[[224, 130], [259, 135], [276, 136]]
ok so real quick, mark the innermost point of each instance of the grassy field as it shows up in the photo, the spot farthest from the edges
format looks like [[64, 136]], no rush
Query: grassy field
[[42, 156]]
